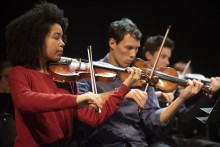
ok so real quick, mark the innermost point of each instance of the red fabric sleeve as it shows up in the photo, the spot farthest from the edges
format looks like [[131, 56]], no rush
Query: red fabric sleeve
[[90, 117], [33, 91]]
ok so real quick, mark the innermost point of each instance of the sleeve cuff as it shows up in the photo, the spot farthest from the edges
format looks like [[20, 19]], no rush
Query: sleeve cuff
[[123, 90]]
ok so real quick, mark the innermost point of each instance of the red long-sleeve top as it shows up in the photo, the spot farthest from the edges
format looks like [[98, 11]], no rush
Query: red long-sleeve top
[[44, 113]]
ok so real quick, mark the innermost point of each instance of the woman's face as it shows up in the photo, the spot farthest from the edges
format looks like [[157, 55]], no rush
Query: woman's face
[[54, 43]]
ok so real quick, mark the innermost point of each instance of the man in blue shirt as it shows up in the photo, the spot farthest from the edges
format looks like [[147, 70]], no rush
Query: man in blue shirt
[[128, 125]]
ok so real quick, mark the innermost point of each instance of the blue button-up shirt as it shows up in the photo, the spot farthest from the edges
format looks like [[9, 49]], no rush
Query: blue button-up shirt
[[128, 124]]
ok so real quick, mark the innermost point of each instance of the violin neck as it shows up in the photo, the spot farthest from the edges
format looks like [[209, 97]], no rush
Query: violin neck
[[206, 80], [168, 77], [98, 64], [197, 77]]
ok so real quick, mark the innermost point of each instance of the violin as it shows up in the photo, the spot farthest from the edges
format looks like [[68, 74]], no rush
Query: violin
[[167, 77], [69, 69]]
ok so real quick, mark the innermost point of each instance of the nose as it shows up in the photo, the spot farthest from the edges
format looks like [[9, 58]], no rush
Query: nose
[[167, 62], [62, 44], [133, 53]]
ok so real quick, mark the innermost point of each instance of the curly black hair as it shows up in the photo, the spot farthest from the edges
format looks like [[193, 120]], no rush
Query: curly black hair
[[26, 34]]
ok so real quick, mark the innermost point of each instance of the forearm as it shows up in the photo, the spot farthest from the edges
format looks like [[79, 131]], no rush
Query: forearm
[[170, 111], [90, 117], [193, 88]]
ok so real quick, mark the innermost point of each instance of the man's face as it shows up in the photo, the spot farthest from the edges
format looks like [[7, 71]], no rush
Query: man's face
[[164, 58], [123, 53]]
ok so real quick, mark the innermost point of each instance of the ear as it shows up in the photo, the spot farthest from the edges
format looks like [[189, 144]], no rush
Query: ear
[[148, 55], [112, 43]]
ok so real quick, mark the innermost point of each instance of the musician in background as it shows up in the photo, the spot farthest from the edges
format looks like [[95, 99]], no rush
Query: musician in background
[[173, 134], [183, 67], [150, 52], [6, 104], [191, 127]]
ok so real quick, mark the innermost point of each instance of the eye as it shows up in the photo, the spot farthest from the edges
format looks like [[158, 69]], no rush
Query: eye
[[129, 47], [57, 37]]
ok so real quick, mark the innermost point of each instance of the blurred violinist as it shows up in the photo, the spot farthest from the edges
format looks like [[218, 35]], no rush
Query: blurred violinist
[[128, 124], [192, 127], [150, 52], [215, 83], [181, 67], [45, 110], [173, 134], [6, 104], [185, 71]]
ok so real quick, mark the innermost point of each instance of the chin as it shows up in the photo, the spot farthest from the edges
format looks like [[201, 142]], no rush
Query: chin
[[125, 65], [56, 59]]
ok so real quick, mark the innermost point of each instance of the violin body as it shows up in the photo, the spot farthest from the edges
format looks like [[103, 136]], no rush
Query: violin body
[[165, 75]]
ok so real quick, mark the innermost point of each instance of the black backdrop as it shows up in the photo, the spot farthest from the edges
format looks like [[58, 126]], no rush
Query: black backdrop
[[195, 27]]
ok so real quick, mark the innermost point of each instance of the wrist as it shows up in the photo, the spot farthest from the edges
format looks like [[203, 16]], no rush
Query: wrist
[[180, 100]]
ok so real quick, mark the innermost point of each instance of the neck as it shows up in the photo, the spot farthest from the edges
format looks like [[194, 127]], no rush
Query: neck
[[43, 68], [112, 60], [43, 71]]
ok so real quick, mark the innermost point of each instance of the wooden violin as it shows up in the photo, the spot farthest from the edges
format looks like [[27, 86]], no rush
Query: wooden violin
[[167, 77], [68, 69]]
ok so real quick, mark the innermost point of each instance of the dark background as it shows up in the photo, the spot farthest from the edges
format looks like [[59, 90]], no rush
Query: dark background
[[195, 27]]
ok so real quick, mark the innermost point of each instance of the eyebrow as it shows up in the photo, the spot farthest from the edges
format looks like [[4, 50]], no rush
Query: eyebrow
[[56, 33]]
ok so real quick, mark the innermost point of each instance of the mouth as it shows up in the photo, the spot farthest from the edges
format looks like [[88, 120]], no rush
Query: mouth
[[126, 64], [60, 53], [128, 61]]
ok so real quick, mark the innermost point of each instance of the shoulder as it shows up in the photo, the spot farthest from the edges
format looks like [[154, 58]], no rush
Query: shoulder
[[18, 71]]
